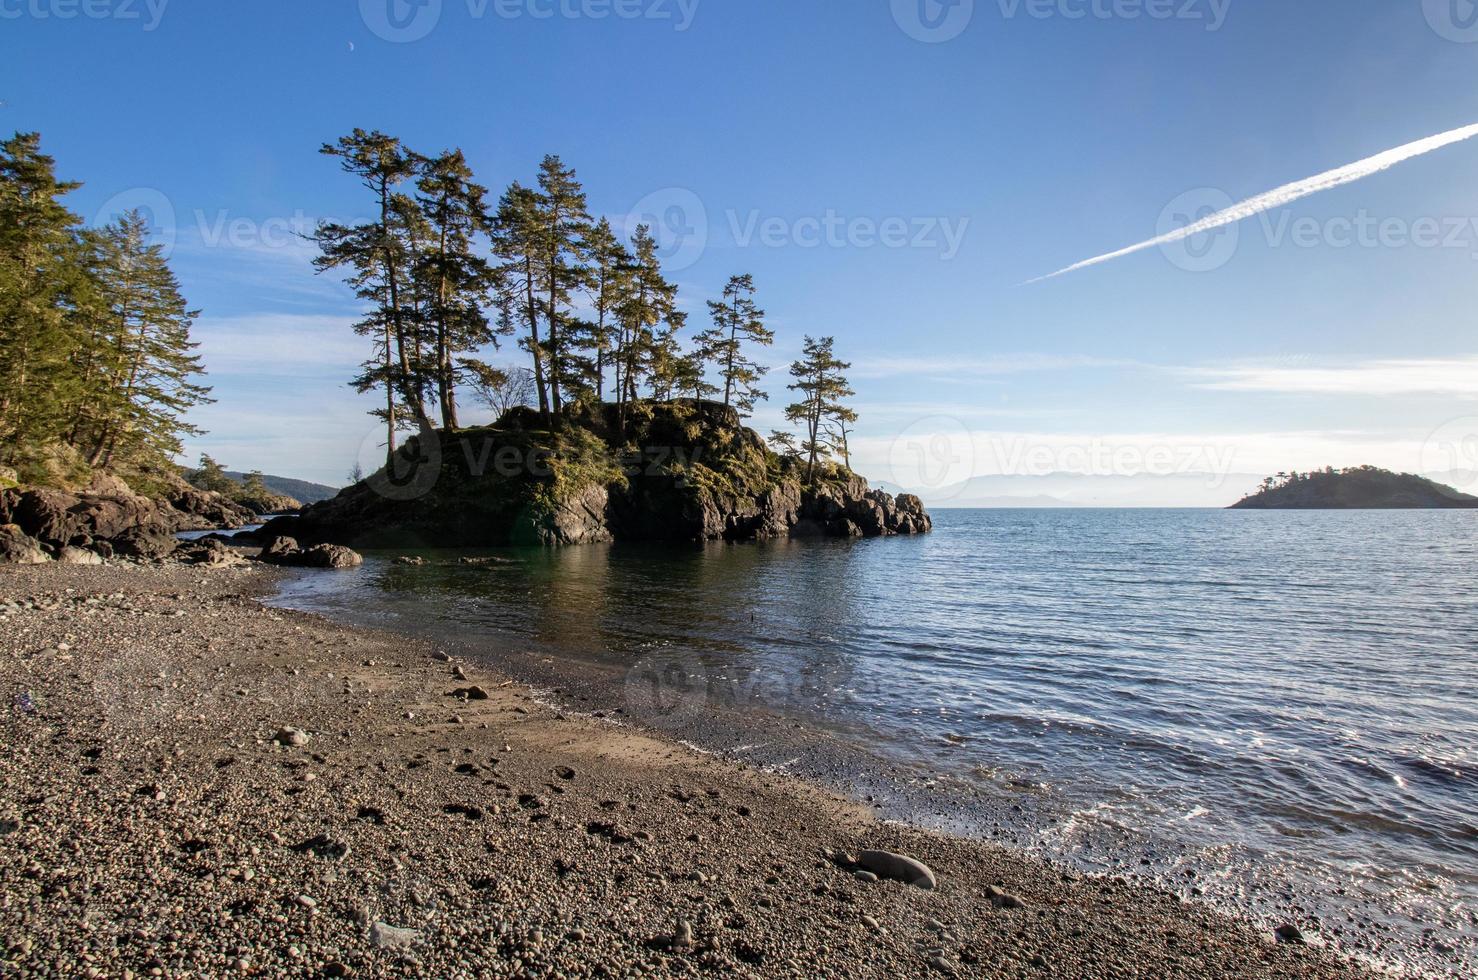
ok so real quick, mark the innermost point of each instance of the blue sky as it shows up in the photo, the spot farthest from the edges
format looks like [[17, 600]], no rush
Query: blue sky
[[887, 182]]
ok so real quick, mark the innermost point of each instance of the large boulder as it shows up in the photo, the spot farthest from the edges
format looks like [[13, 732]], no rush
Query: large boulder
[[327, 556], [147, 542], [19, 548], [285, 551], [78, 556]]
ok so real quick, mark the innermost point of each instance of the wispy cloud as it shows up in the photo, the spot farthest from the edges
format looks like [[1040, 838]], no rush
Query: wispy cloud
[[276, 344], [1449, 377], [1284, 195], [976, 367]]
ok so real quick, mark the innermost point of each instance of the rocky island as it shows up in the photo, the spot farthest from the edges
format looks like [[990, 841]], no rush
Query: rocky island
[[682, 470], [1356, 488]]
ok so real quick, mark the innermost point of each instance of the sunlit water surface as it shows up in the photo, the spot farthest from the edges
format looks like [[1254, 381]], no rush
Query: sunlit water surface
[[1271, 711]]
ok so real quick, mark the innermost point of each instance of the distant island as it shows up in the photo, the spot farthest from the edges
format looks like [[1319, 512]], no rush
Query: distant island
[[1356, 488]]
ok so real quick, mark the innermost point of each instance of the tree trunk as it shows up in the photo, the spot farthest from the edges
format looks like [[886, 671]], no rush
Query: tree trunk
[[555, 360], [389, 404], [407, 391], [537, 349], [444, 378]]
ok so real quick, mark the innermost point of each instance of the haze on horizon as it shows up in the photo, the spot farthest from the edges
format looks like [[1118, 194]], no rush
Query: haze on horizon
[[892, 187]]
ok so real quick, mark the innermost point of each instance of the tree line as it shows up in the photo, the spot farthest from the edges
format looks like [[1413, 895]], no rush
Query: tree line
[[96, 358], [446, 275]]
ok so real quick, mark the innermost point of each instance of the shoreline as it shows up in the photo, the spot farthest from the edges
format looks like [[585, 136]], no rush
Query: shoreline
[[152, 823]]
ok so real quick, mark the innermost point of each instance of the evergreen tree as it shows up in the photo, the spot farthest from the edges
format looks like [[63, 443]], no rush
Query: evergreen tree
[[516, 240], [377, 255], [822, 386], [839, 432], [254, 490], [141, 397], [605, 281], [690, 378], [455, 280], [668, 364], [39, 255], [737, 321], [563, 223], [649, 300], [212, 476], [784, 443]]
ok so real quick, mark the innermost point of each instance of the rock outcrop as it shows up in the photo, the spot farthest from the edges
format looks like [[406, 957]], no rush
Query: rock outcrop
[[19, 548], [317, 556], [108, 518], [678, 471]]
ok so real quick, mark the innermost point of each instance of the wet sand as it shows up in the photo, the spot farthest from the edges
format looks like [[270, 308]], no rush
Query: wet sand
[[153, 823]]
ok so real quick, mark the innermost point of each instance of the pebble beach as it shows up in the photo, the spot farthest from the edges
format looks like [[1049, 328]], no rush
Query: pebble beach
[[196, 785]]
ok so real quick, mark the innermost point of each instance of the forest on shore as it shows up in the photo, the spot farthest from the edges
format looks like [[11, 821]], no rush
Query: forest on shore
[[99, 371]]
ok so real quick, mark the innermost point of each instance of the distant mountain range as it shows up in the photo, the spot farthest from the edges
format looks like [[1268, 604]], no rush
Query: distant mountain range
[[300, 490], [1083, 490]]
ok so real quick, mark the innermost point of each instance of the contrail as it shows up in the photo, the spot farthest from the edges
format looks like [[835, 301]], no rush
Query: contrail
[[1286, 194]]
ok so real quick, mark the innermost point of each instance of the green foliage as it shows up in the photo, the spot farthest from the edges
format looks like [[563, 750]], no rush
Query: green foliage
[[212, 476], [95, 348], [821, 386], [737, 321]]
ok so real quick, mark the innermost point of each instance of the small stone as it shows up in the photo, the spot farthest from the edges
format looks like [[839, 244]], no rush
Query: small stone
[[387, 936], [1003, 900], [1289, 933], [898, 867], [871, 923], [307, 902], [292, 737], [866, 876]]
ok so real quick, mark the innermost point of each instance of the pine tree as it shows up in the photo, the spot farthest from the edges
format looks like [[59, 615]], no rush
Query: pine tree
[[737, 321], [821, 384], [377, 254], [839, 433], [454, 279], [516, 240], [668, 365], [649, 300], [784, 443], [142, 396], [211, 475], [563, 223], [605, 280], [690, 379], [39, 254], [253, 490]]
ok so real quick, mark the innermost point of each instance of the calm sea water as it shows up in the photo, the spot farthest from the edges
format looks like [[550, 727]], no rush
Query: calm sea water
[[1273, 711]]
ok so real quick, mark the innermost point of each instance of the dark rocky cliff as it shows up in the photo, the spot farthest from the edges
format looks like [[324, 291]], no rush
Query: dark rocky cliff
[[679, 471]]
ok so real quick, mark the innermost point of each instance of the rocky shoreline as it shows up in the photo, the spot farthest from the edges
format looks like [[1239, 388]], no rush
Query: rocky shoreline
[[685, 471], [195, 784]]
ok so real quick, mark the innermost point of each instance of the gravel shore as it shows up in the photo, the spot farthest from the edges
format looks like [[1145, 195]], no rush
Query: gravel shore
[[192, 784]]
